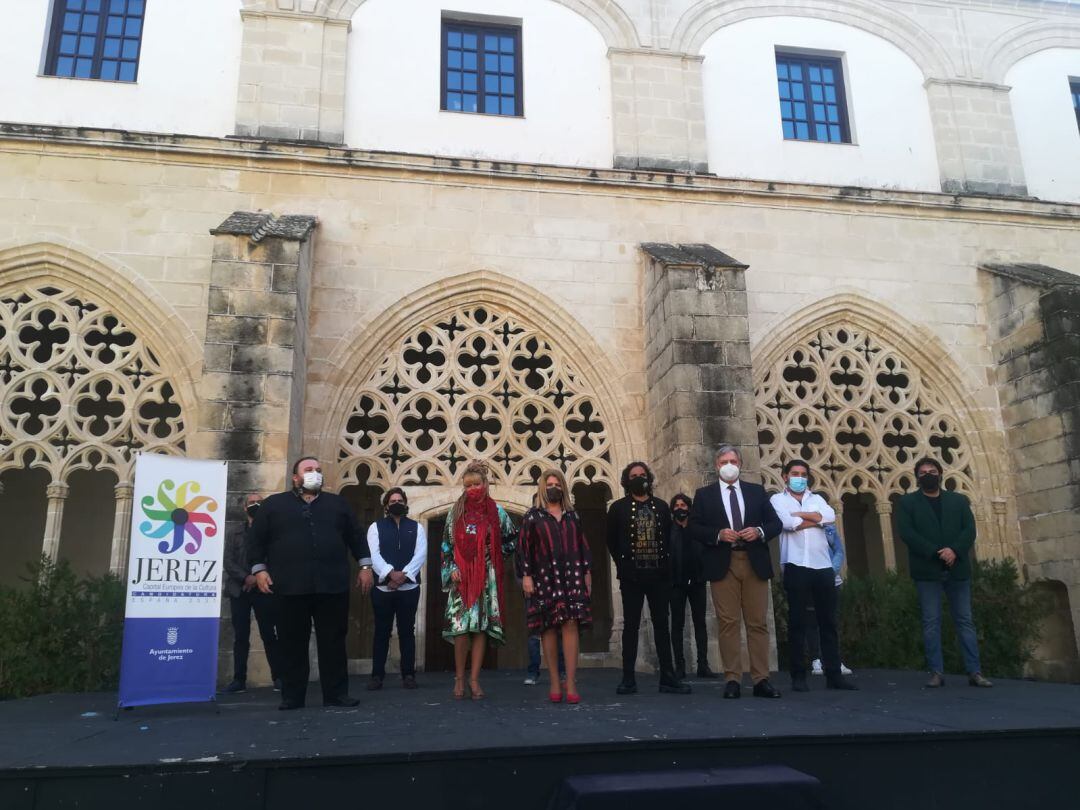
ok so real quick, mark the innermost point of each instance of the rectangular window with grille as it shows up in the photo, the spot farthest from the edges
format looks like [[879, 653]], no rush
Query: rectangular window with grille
[[1074, 86], [481, 68], [812, 102], [96, 39]]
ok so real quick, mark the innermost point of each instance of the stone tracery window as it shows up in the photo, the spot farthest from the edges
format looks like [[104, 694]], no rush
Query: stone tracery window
[[79, 388], [476, 383], [854, 408]]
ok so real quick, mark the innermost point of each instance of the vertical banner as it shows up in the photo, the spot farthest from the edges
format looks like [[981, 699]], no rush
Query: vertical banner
[[174, 581]]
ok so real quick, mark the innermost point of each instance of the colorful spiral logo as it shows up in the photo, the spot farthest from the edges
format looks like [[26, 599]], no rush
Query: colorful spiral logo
[[179, 515]]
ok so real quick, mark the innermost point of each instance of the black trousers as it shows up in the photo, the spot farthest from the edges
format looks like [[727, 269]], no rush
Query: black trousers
[[388, 607], [813, 635], [694, 593], [265, 606], [817, 586], [330, 614], [634, 595]]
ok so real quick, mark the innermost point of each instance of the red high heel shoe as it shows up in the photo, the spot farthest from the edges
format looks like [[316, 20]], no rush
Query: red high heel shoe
[[556, 697], [573, 698]]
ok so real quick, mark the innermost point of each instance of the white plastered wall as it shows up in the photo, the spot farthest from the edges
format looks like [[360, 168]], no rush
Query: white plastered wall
[[893, 140], [393, 86], [188, 72], [1046, 123]]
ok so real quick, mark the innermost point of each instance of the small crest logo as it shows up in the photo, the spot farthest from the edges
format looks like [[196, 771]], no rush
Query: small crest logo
[[171, 635], [178, 515]]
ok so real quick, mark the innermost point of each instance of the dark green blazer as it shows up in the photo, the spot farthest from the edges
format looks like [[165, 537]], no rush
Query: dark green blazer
[[925, 536]]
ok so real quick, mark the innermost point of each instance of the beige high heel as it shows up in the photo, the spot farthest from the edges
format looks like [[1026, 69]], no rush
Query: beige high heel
[[459, 688]]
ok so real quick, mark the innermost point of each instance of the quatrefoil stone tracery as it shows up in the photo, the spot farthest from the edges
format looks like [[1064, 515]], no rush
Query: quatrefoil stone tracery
[[858, 412], [81, 390], [473, 384]]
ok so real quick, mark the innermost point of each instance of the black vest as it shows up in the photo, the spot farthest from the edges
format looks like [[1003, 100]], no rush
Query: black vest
[[397, 544]]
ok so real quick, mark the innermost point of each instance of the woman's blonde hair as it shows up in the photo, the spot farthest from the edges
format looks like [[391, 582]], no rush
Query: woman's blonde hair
[[541, 489]]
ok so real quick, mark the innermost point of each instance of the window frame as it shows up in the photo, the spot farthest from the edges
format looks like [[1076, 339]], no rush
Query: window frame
[[56, 31], [806, 60], [1074, 97], [480, 27]]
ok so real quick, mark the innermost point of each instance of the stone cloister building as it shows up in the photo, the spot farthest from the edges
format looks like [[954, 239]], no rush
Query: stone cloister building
[[279, 236]]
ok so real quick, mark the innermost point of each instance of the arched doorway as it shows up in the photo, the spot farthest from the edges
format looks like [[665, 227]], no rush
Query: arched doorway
[[466, 381]]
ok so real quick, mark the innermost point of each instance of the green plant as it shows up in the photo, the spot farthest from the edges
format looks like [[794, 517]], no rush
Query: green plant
[[881, 627], [60, 633]]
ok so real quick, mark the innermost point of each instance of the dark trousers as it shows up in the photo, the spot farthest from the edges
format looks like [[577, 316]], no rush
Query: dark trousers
[[817, 586], [813, 634], [694, 593], [388, 607], [330, 614], [265, 606], [634, 595]]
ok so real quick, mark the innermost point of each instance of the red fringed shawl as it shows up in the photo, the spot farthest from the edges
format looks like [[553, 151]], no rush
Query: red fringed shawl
[[469, 555]]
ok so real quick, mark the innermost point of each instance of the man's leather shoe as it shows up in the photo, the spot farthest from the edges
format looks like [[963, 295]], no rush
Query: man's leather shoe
[[374, 684], [344, 702], [977, 679], [764, 689], [703, 671], [289, 705], [627, 686], [937, 680], [234, 688], [680, 673], [732, 690], [670, 685], [799, 684], [409, 682], [839, 682]]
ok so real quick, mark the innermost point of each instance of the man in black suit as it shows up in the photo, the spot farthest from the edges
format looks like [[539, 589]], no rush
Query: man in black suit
[[299, 549], [639, 539], [735, 522]]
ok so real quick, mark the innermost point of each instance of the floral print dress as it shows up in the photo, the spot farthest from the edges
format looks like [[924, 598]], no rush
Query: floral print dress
[[485, 615]]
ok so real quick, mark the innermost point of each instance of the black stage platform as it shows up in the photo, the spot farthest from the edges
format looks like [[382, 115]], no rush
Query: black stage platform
[[890, 745]]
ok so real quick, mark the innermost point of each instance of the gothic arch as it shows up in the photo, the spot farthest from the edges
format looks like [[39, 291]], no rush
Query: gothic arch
[[705, 18], [92, 366], [613, 23], [463, 369], [860, 392], [1012, 46]]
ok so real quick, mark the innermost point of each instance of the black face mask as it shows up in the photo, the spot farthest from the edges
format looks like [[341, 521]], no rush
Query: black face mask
[[639, 485], [681, 514], [930, 482], [252, 509], [553, 494], [398, 509]]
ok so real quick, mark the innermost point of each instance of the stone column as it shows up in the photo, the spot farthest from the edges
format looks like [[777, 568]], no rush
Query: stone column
[[659, 110], [978, 150], [56, 493], [121, 540], [292, 76], [888, 547]]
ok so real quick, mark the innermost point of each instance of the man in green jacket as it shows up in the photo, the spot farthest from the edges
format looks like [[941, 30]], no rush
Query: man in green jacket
[[938, 528]]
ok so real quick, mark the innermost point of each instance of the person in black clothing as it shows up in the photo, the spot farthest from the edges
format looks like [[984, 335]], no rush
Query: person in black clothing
[[639, 539], [398, 547], [300, 546], [244, 598], [689, 579]]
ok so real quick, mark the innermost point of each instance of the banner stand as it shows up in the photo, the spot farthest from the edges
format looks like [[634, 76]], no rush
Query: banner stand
[[174, 582]]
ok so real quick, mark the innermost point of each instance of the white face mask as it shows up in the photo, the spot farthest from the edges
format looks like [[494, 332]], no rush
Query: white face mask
[[729, 473], [313, 480]]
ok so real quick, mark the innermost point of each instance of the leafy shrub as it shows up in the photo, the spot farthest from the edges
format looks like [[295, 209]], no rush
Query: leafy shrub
[[881, 627], [60, 633]]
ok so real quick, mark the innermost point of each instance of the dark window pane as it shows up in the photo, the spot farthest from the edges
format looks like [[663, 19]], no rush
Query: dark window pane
[[453, 39], [834, 115], [131, 48], [789, 130], [68, 43], [82, 68], [74, 5], [491, 43], [507, 86], [116, 6], [453, 80], [468, 102], [468, 60], [785, 90], [796, 73], [109, 70], [507, 64], [814, 79], [470, 82], [815, 73], [469, 41], [491, 105], [485, 68], [821, 132], [112, 48], [133, 27], [508, 106], [89, 23], [136, 6], [802, 131], [127, 71], [816, 92], [798, 92], [506, 44], [830, 94], [800, 111], [491, 83], [785, 109], [65, 66], [115, 26], [93, 5], [781, 70], [819, 112], [86, 46], [491, 62], [453, 101], [827, 73], [453, 59], [834, 134], [71, 22]]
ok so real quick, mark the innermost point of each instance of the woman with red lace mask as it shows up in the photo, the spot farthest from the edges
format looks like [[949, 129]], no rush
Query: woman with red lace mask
[[478, 535]]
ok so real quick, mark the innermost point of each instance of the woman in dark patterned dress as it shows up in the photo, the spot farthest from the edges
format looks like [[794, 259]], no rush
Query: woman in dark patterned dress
[[557, 580]]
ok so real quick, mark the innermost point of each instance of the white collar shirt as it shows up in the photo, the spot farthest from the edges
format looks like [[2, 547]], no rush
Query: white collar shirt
[[383, 568], [725, 494], [809, 547]]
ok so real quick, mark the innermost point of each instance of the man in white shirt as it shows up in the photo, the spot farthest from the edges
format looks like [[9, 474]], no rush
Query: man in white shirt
[[808, 574], [398, 547]]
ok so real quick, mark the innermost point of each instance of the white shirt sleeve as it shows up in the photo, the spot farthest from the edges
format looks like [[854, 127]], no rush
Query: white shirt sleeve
[[779, 505], [416, 564], [828, 514], [381, 567]]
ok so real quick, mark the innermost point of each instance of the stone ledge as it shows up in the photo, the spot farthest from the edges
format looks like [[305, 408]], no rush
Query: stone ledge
[[695, 255], [257, 225], [1038, 275]]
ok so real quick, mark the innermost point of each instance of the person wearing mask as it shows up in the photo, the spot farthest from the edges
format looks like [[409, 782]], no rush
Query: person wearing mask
[[244, 599], [301, 540], [689, 586], [639, 539], [734, 521], [555, 563], [808, 574], [938, 528], [398, 548], [478, 535]]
